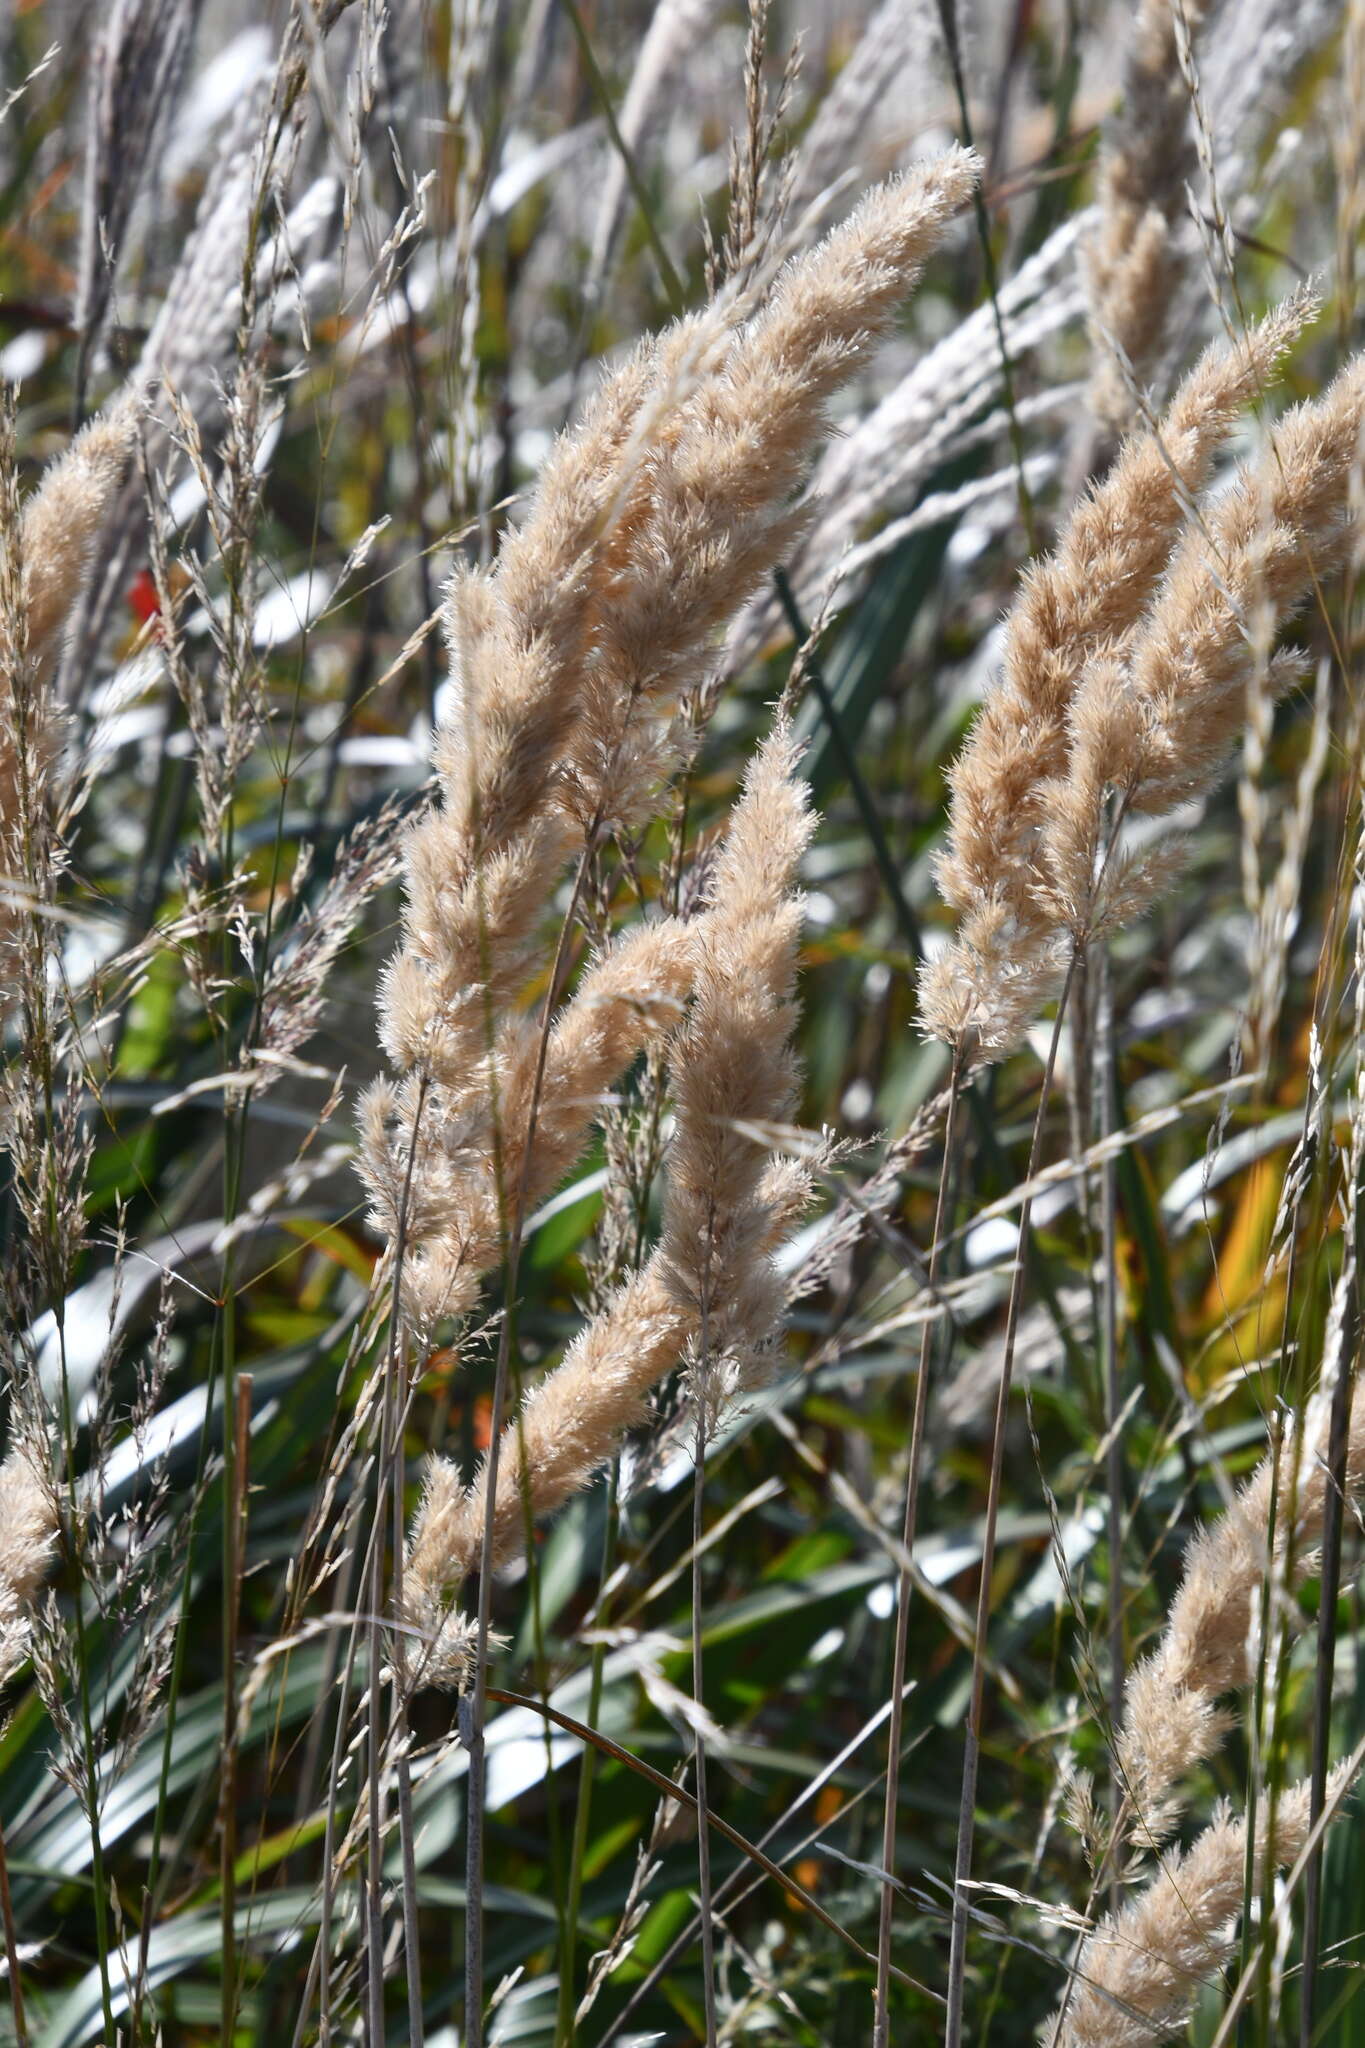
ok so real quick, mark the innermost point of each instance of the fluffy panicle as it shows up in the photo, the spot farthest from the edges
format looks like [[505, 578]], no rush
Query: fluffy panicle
[[1138, 255], [28, 1543], [722, 469], [732, 1068], [1139, 1972], [650, 525], [61, 521], [567, 1429], [44, 550], [1126, 666], [710, 1283], [1171, 1718], [1283, 524]]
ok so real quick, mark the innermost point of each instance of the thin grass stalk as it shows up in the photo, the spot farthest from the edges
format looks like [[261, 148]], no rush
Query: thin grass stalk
[[1241, 1991], [1280, 1591], [234, 1143], [374, 1761], [881, 2024], [966, 1825], [704, 1893], [1264, 1720], [407, 1843], [372, 1575], [1113, 1389], [670, 1789], [1323, 1672], [329, 1853], [672, 284], [1345, 1365], [472, 1705], [566, 2007], [947, 11], [235, 1503], [89, 1759], [848, 760], [16, 1993]]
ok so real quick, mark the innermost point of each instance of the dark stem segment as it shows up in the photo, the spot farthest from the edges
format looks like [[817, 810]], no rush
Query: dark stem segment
[[1326, 1661], [16, 1995]]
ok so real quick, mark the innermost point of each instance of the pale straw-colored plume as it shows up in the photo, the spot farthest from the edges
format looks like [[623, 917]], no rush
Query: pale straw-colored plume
[[719, 471], [651, 524], [1172, 1720], [732, 1069], [45, 547], [28, 1544], [1139, 1972], [1127, 662], [1138, 256], [710, 1287], [61, 522]]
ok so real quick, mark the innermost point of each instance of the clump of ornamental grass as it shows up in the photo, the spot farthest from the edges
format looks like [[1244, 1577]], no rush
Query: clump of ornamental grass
[[651, 524], [1270, 1533], [1140, 1971], [709, 1292], [1136, 1974], [1127, 662]]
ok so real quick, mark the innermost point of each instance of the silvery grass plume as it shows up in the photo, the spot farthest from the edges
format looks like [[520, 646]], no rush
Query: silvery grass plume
[[896, 65], [1128, 656], [135, 73], [1137, 258], [661, 71], [710, 1292], [946, 404], [651, 523]]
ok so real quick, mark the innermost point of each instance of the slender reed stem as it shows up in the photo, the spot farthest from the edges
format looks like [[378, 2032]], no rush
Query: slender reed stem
[[390, 1476], [234, 1540], [1322, 1676], [947, 12], [704, 1894], [909, 1525], [564, 2018], [670, 1789], [472, 1706], [1113, 1391], [966, 1823], [16, 1994]]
